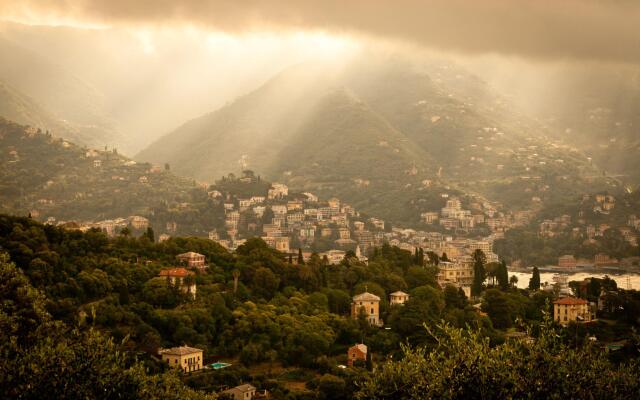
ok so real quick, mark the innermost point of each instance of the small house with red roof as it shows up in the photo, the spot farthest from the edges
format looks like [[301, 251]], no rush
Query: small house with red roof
[[182, 277], [355, 353]]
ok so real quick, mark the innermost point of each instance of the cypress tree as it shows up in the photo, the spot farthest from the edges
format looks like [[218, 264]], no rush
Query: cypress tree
[[300, 257], [503, 276], [479, 273], [534, 282], [150, 234]]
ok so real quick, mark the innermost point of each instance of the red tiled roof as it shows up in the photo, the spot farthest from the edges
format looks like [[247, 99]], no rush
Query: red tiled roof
[[177, 272], [570, 301], [180, 351]]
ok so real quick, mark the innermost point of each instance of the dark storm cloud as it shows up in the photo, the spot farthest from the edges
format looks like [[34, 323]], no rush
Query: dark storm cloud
[[606, 30]]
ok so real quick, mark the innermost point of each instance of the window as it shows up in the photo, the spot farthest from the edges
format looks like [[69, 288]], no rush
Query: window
[[371, 310]]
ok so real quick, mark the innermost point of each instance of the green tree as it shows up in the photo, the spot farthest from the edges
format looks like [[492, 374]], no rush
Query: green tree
[[479, 274], [534, 282], [265, 283], [463, 365], [150, 234], [503, 276], [513, 281], [43, 358], [496, 305]]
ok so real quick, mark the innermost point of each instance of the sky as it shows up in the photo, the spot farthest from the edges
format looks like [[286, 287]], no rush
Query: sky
[[160, 63], [603, 30]]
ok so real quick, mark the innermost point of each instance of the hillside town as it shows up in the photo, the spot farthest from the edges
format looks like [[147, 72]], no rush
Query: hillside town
[[301, 224]]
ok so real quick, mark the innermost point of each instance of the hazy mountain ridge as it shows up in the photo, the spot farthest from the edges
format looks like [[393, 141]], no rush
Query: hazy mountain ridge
[[376, 130], [75, 109]]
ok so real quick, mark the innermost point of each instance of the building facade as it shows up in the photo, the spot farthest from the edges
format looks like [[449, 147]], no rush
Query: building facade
[[356, 353], [192, 260], [369, 304], [188, 359], [398, 298], [571, 309]]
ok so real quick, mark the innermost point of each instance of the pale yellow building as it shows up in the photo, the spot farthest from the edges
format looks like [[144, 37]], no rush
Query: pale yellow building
[[571, 309], [458, 274], [192, 260], [398, 297], [189, 359], [370, 304]]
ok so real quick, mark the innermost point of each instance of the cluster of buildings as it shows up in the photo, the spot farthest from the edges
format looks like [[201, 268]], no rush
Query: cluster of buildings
[[604, 203], [454, 217], [109, 226], [581, 228], [600, 260], [289, 222]]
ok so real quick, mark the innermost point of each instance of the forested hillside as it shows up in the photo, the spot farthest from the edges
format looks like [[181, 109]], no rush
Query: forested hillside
[[49, 176], [285, 327]]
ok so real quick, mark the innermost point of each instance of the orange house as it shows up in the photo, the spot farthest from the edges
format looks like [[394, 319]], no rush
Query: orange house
[[355, 353]]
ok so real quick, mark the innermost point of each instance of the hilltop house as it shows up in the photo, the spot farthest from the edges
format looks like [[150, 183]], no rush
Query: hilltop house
[[369, 304], [182, 278], [571, 309], [245, 392], [398, 298], [189, 359], [355, 353], [192, 260]]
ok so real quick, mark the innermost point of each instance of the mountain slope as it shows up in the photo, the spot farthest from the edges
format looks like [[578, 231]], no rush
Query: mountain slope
[[383, 134], [51, 177], [69, 100]]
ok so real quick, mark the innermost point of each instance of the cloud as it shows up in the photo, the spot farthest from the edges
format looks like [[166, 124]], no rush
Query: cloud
[[543, 29]]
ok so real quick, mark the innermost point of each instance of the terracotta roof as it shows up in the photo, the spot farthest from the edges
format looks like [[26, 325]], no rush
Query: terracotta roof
[[398, 293], [570, 301], [177, 272], [366, 296], [180, 351], [189, 254], [360, 346], [242, 388]]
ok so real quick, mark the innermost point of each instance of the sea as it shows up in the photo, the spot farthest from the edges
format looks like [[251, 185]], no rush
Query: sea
[[624, 280]]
